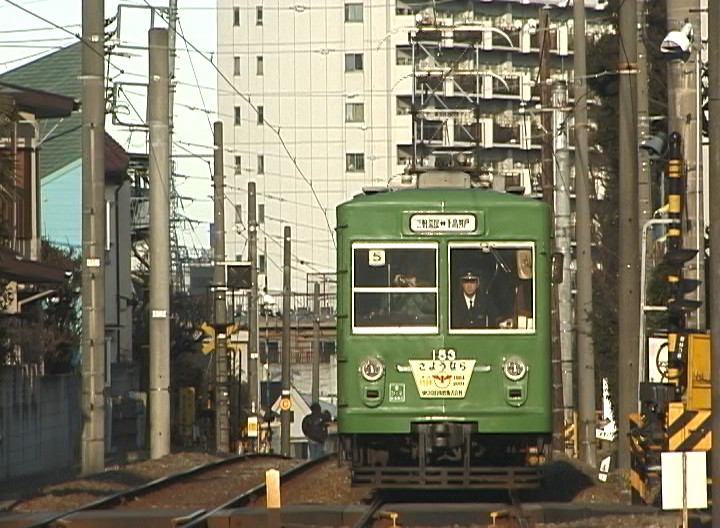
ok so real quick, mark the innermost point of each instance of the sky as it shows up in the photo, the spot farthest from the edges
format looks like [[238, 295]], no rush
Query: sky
[[24, 38]]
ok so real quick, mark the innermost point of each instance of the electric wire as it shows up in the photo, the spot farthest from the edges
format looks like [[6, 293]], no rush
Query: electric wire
[[274, 129]]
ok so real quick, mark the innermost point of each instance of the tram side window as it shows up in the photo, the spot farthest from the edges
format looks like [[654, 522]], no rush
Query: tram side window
[[395, 287], [491, 288]]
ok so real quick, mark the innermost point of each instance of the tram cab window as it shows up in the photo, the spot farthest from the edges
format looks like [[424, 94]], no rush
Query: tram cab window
[[395, 288], [492, 287]]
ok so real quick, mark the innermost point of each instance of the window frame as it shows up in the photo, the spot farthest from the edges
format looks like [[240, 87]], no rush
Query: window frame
[[347, 18], [259, 16], [498, 244], [236, 16], [238, 164], [237, 116], [396, 330], [351, 109], [347, 168], [261, 163], [237, 66], [261, 114], [260, 66], [353, 61]]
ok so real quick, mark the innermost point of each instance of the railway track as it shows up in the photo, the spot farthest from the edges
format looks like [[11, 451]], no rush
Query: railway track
[[383, 510], [125, 497], [247, 497], [144, 505], [383, 506]]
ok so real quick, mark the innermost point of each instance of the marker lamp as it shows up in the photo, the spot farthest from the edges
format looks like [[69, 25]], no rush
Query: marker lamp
[[514, 369], [372, 369]]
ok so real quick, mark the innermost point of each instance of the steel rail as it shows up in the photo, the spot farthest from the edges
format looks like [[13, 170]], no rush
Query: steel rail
[[244, 498], [378, 500], [516, 509], [143, 489]]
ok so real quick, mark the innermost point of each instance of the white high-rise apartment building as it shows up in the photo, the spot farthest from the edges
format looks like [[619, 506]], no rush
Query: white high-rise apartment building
[[320, 101]]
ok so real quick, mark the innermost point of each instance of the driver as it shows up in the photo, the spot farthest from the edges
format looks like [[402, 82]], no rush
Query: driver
[[473, 307]]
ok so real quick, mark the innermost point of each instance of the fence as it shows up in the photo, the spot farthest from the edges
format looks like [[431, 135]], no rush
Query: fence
[[40, 421]]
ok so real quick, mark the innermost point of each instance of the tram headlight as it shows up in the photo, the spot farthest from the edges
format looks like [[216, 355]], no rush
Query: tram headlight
[[372, 369], [514, 369]]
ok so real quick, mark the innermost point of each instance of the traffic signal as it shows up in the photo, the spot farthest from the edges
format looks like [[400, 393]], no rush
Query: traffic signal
[[677, 256]]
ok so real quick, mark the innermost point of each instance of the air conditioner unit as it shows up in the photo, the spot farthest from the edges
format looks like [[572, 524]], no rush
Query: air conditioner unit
[[487, 40], [486, 129], [562, 40], [525, 87], [525, 39], [526, 133]]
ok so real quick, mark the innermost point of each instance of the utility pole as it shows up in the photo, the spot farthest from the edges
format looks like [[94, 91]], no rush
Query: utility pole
[[93, 236], [563, 240], [645, 208], [629, 245], [583, 237], [172, 37], [558, 437], [158, 116], [222, 426], [253, 308], [315, 392], [683, 100], [714, 275], [285, 413], [545, 101], [177, 279]]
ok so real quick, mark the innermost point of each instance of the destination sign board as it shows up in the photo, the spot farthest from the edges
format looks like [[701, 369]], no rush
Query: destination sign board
[[442, 223]]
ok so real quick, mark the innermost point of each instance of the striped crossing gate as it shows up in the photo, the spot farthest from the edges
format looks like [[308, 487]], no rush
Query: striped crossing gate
[[638, 460], [688, 430]]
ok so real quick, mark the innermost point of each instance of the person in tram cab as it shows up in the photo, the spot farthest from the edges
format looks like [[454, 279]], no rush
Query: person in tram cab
[[472, 306]]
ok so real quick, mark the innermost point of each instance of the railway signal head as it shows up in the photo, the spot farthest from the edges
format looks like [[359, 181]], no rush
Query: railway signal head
[[678, 286]]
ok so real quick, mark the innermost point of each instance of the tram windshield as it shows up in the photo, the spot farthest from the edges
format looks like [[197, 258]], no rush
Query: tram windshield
[[395, 288], [492, 287]]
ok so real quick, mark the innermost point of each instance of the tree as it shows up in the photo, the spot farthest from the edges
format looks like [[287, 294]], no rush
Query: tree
[[604, 163], [187, 313], [8, 118], [48, 330]]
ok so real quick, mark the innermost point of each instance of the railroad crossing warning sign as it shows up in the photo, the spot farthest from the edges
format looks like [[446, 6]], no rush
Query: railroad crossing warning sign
[[208, 342], [285, 404]]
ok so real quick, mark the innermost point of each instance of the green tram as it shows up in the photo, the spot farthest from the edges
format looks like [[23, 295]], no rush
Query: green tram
[[444, 369]]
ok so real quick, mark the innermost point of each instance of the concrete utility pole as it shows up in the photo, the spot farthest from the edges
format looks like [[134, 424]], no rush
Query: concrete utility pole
[[683, 100], [558, 437], [253, 308], [158, 116], [545, 101], [629, 240], [563, 241], [714, 125], [93, 236], [177, 279], [222, 416], [316, 344], [583, 237], [172, 37], [285, 413], [645, 208]]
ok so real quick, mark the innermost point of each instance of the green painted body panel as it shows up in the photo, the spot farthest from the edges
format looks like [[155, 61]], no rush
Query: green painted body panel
[[384, 217]]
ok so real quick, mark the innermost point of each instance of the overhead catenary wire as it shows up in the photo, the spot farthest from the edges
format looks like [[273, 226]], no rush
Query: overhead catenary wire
[[61, 28], [274, 129]]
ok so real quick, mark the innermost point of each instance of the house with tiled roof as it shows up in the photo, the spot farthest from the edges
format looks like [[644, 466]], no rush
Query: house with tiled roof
[[60, 168]]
